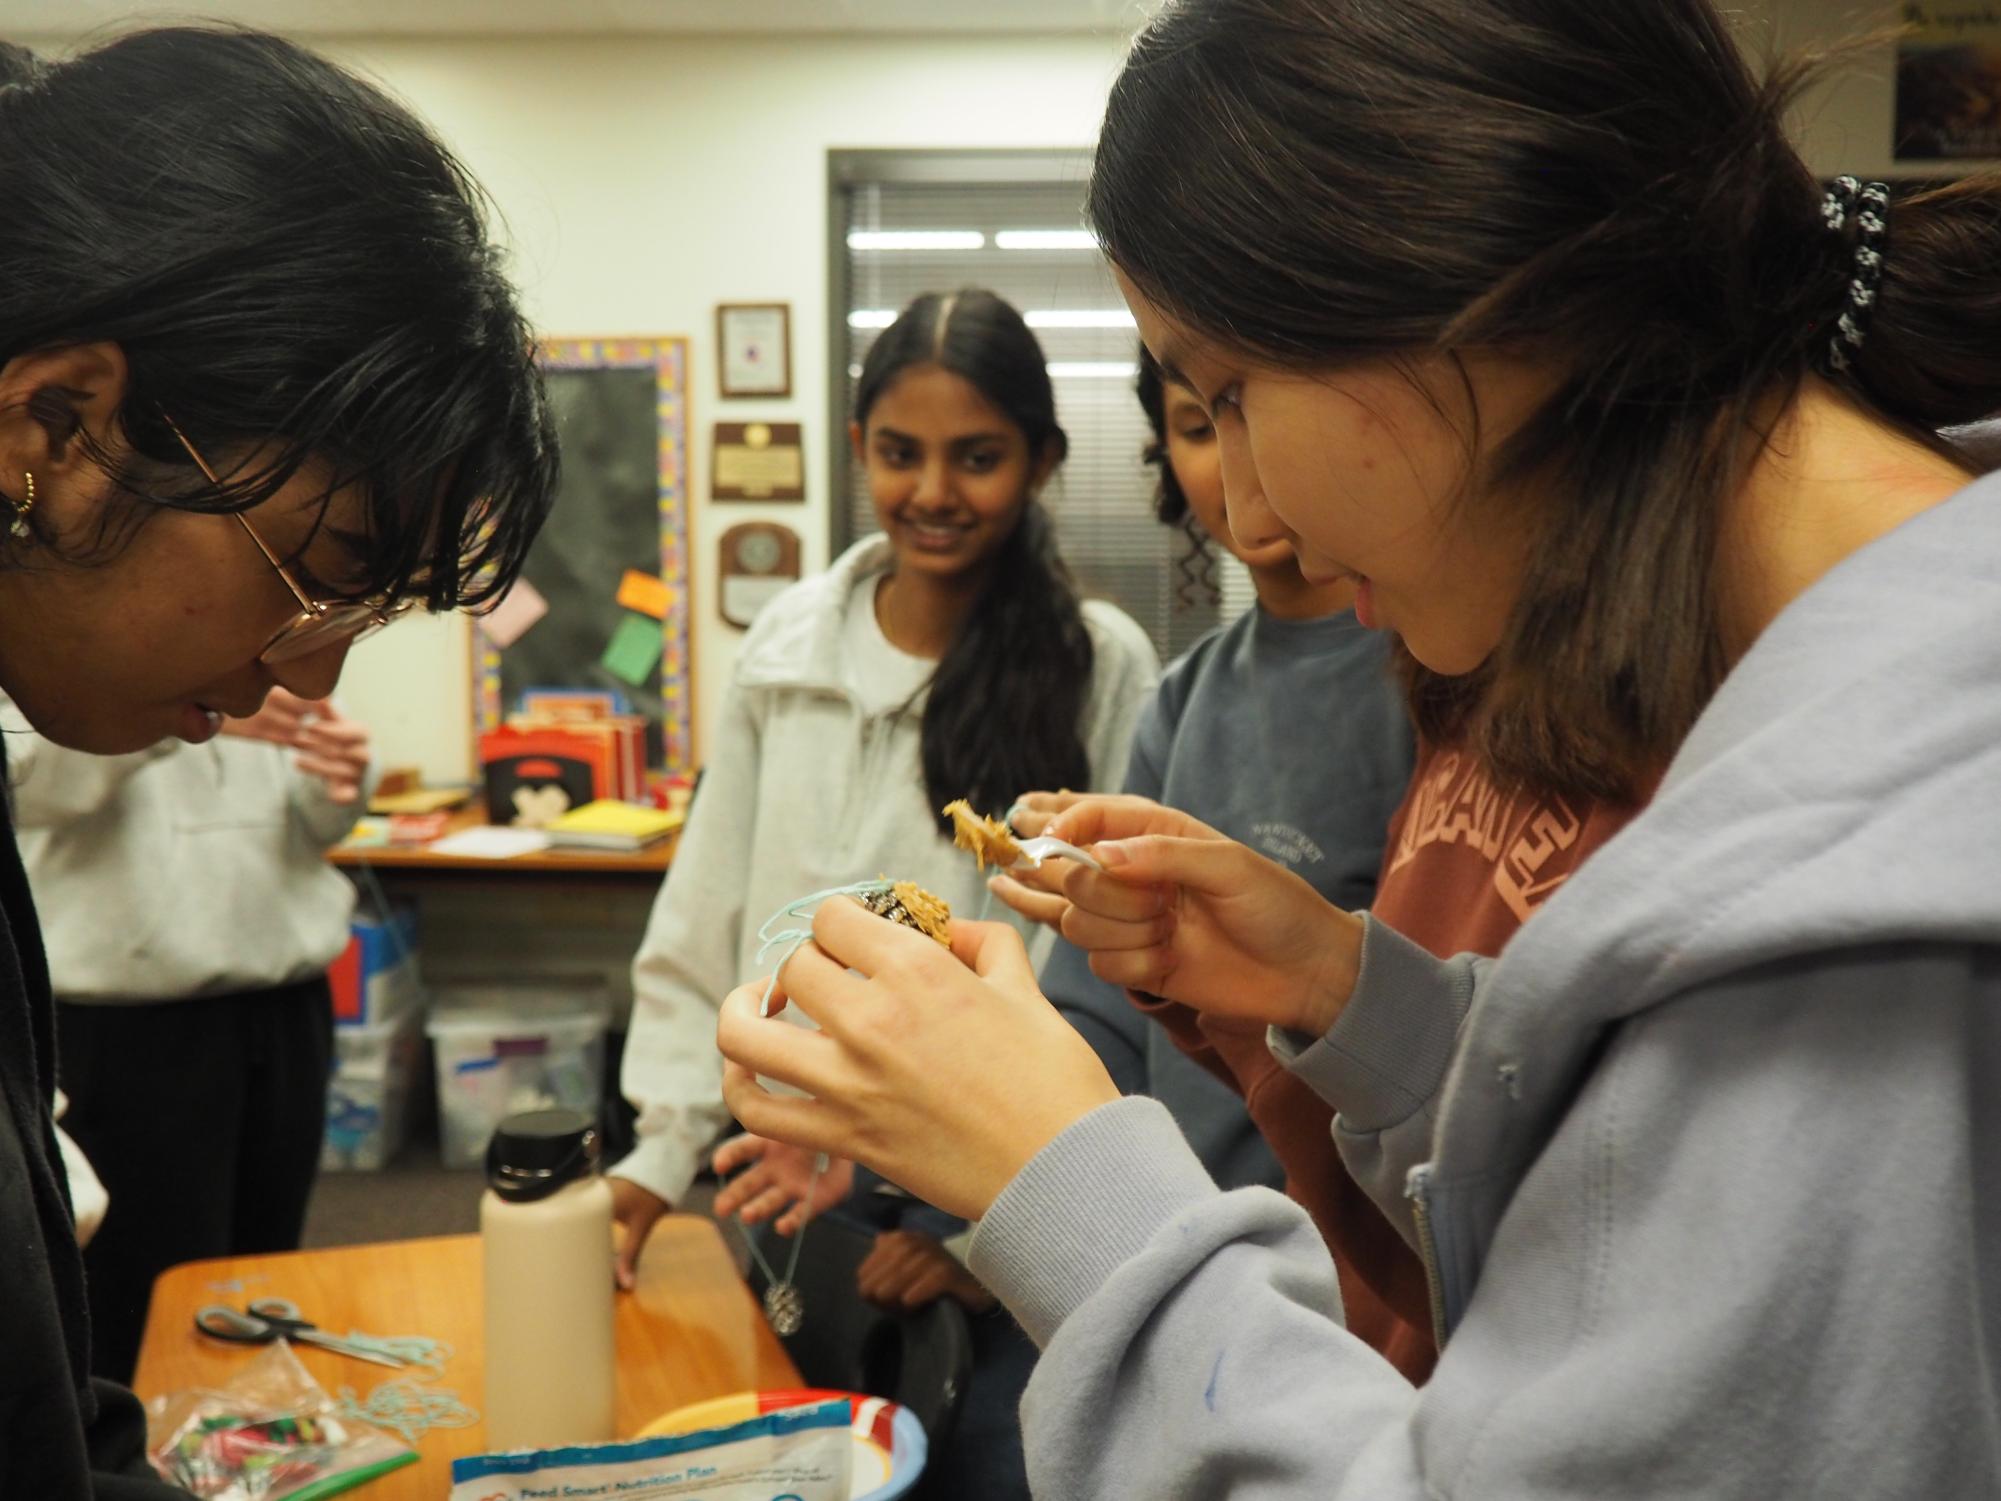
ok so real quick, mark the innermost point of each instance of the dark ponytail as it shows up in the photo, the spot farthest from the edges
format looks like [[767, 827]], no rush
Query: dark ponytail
[[1605, 185], [1933, 355], [1006, 707], [292, 266]]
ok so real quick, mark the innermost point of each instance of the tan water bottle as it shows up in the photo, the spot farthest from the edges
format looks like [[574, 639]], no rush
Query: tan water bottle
[[545, 1220]]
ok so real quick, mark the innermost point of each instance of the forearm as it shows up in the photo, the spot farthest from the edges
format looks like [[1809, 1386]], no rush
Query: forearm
[[687, 962], [325, 821], [672, 1076], [1384, 1061], [1192, 1340]]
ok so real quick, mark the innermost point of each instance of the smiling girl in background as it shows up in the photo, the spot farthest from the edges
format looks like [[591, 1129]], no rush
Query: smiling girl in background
[[948, 657]]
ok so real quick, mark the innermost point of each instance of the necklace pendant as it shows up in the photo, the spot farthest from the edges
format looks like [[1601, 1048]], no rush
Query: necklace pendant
[[784, 1308]]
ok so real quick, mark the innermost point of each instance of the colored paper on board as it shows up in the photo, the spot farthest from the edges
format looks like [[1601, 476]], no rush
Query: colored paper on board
[[634, 648], [645, 593], [519, 608]]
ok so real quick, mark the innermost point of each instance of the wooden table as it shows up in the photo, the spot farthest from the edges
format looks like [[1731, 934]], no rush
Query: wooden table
[[652, 861], [690, 1330]]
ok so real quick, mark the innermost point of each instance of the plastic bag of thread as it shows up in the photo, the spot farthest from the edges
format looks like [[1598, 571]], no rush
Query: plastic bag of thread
[[795, 1453], [270, 1432]]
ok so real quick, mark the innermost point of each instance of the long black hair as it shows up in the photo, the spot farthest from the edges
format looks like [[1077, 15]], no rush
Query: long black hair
[[1606, 185], [293, 266], [1006, 707]]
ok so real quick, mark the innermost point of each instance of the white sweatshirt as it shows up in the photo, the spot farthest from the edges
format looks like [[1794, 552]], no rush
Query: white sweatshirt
[[809, 783], [180, 870]]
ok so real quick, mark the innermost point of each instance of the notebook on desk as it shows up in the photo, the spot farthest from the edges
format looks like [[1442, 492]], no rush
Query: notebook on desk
[[608, 824]]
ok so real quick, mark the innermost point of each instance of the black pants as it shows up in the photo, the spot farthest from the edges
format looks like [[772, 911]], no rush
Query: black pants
[[203, 1118]]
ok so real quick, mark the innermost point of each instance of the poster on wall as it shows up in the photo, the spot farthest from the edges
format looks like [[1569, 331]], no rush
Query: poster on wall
[[1949, 81]]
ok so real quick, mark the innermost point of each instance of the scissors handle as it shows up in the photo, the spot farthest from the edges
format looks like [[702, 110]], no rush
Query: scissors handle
[[234, 1325], [266, 1319], [281, 1312]]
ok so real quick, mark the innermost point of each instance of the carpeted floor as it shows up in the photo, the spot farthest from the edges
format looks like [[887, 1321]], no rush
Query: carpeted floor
[[415, 1196]]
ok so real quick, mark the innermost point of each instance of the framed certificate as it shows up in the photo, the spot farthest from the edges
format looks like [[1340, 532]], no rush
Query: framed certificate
[[754, 348]]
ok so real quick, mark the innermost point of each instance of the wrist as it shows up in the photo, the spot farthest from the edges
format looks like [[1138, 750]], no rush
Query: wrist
[[1334, 978], [1025, 1146]]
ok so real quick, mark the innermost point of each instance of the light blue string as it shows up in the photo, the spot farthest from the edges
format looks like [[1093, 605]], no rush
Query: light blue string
[[407, 1408], [770, 937]]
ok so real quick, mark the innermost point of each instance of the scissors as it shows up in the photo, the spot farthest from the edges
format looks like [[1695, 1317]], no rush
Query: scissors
[[265, 1319]]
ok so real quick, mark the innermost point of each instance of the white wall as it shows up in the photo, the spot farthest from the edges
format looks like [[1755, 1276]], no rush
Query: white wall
[[646, 179]]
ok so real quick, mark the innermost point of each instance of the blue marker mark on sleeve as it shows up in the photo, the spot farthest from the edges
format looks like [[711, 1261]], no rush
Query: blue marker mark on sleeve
[[1209, 1391]]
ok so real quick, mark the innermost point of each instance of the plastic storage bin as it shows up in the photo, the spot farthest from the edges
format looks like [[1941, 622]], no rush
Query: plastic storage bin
[[505, 1049], [377, 1070]]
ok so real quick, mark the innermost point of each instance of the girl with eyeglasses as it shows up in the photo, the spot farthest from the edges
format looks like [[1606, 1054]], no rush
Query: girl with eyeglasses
[[1527, 316], [263, 386]]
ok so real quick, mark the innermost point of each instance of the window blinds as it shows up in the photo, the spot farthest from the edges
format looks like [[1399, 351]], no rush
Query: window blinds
[[896, 238]]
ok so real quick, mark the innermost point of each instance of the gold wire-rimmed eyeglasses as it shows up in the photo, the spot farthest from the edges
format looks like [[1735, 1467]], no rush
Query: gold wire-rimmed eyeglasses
[[319, 624]]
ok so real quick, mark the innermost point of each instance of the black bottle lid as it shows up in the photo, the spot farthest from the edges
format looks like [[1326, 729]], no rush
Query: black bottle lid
[[535, 1153]]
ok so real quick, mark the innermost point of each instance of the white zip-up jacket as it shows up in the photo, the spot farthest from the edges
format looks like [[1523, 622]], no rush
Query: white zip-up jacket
[[180, 870], [803, 789]]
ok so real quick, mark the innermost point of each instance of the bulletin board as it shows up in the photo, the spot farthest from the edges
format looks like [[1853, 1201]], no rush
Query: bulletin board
[[621, 408]]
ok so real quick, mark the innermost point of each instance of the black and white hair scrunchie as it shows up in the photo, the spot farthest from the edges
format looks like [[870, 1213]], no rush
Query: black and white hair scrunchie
[[1868, 204]]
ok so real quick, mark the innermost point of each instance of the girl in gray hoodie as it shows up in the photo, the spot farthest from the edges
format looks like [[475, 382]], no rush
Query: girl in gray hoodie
[[1637, 425]]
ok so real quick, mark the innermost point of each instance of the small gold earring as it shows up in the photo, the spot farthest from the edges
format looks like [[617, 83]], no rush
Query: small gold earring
[[24, 505]]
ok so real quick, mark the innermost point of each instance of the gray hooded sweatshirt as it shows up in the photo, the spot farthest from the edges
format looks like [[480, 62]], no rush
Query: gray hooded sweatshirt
[[1707, 1166]]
